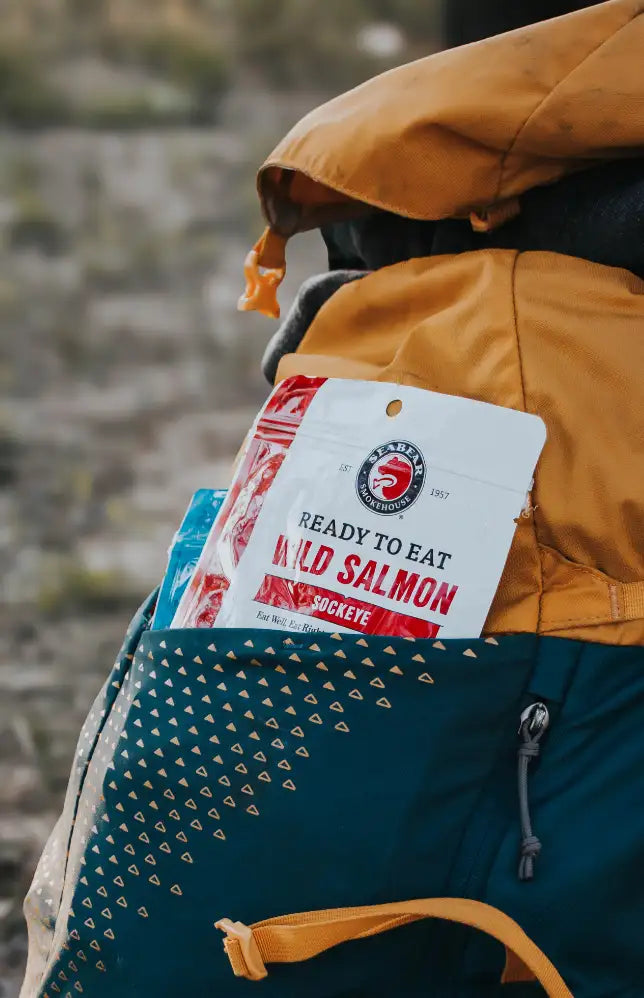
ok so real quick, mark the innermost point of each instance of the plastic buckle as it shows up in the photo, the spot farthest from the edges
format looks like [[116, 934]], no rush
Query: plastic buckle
[[240, 941]]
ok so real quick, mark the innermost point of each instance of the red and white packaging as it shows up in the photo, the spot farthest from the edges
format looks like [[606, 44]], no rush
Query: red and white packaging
[[367, 507]]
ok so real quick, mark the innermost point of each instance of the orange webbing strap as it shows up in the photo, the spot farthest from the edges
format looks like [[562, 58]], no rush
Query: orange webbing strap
[[264, 269], [628, 600], [299, 937]]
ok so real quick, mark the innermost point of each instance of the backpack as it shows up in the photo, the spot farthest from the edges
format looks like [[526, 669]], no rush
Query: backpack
[[301, 797]]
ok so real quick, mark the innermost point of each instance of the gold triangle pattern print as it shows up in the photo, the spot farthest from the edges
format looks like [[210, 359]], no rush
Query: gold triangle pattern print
[[203, 732]]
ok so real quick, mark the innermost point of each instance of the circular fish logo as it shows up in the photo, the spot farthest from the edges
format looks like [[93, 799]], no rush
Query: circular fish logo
[[391, 478]]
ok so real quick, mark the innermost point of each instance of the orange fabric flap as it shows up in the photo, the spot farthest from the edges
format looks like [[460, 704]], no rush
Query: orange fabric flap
[[577, 595], [468, 127]]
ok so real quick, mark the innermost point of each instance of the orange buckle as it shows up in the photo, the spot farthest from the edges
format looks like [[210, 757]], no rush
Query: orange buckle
[[242, 950], [263, 281]]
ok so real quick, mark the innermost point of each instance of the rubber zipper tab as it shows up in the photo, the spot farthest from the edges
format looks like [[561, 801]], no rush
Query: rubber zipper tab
[[534, 723], [264, 269]]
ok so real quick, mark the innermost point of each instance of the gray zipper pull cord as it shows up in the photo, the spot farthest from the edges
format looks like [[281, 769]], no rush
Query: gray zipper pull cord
[[534, 722]]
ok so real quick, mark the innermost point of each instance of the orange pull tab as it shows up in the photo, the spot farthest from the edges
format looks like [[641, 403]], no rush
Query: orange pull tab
[[264, 268], [491, 218]]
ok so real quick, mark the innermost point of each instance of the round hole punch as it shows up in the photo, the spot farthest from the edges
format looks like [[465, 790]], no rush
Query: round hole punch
[[394, 408]]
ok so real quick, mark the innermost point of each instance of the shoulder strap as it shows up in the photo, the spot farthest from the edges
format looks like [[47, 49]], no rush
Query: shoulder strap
[[292, 938]]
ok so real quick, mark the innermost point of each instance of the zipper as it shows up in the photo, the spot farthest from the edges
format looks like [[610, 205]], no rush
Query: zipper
[[534, 723]]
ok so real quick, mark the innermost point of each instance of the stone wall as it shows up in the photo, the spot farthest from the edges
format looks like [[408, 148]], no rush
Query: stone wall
[[129, 380]]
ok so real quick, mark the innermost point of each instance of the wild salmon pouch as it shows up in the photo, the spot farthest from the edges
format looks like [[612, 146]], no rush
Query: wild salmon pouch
[[364, 506]]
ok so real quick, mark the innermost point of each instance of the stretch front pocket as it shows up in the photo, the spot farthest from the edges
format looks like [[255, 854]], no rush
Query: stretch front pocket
[[275, 772]]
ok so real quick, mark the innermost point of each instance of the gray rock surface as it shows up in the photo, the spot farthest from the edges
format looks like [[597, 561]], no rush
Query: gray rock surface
[[129, 380]]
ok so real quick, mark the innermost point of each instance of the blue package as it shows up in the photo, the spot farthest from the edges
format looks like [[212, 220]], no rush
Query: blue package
[[184, 553]]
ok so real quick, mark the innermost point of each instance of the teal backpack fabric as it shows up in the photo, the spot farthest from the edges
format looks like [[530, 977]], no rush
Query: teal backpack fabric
[[250, 774]]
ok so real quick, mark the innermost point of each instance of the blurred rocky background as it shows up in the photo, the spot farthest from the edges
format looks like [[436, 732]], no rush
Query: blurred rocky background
[[130, 131]]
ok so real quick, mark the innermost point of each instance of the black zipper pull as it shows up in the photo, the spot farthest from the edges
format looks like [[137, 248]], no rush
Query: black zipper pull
[[534, 723]]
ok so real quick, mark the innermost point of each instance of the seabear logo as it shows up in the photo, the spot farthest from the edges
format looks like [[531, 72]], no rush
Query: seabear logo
[[391, 478]]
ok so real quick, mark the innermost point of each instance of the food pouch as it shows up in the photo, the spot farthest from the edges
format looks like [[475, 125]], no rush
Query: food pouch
[[367, 507], [184, 554]]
